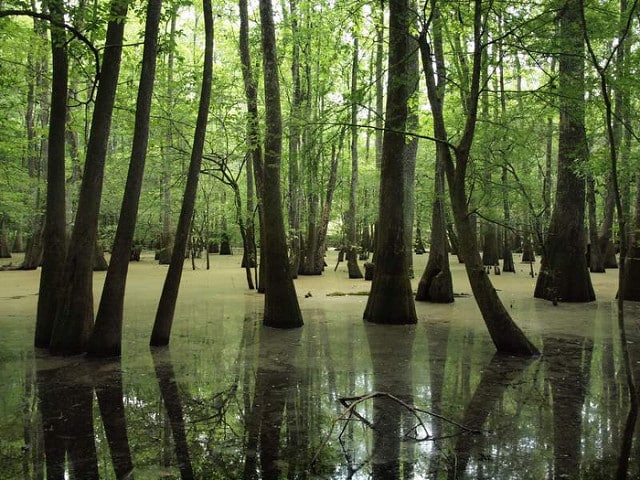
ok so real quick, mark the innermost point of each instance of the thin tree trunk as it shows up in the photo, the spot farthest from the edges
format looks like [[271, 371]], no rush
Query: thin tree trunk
[[352, 248], [166, 306], [253, 134], [106, 338]]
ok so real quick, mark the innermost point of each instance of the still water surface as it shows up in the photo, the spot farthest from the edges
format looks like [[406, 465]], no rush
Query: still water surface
[[336, 399]]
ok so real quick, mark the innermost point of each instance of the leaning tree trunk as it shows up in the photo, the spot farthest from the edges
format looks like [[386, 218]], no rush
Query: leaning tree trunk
[[167, 304], [106, 338], [506, 335], [391, 297], [564, 275], [281, 307]]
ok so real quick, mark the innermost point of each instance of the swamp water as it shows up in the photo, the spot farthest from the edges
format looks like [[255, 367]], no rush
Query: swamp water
[[336, 399]]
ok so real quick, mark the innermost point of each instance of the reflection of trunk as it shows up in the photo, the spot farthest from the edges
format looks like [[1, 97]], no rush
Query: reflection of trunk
[[108, 386], [568, 363], [173, 405], [66, 405], [386, 342], [496, 377], [276, 376]]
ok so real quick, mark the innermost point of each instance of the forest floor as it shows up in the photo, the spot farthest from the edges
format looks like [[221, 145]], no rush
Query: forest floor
[[562, 415]]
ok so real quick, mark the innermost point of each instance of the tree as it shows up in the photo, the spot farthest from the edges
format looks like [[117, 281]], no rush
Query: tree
[[106, 337], [350, 217], [436, 284], [54, 249], [391, 298], [281, 307], [254, 149], [506, 335], [167, 304], [74, 313], [564, 275]]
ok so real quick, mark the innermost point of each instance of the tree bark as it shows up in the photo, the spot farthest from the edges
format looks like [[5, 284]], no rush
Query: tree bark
[[281, 307], [106, 338], [166, 306]]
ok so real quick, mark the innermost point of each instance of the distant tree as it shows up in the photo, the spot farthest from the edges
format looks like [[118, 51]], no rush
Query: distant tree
[[106, 338], [281, 307], [391, 297], [166, 306]]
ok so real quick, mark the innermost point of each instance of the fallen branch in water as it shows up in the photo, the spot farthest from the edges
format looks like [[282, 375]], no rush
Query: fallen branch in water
[[351, 403]]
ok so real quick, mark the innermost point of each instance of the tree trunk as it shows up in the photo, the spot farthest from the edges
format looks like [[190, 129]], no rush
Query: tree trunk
[[564, 275], [391, 297], [595, 256], [106, 338], [631, 284], [166, 306], [294, 147], [5, 250], [54, 249], [253, 133], [166, 237], [352, 248], [436, 284], [281, 307]]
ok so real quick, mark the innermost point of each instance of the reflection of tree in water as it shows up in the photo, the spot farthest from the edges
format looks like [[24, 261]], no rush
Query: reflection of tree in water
[[65, 397], [501, 372], [173, 406], [274, 408], [391, 349], [568, 370]]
